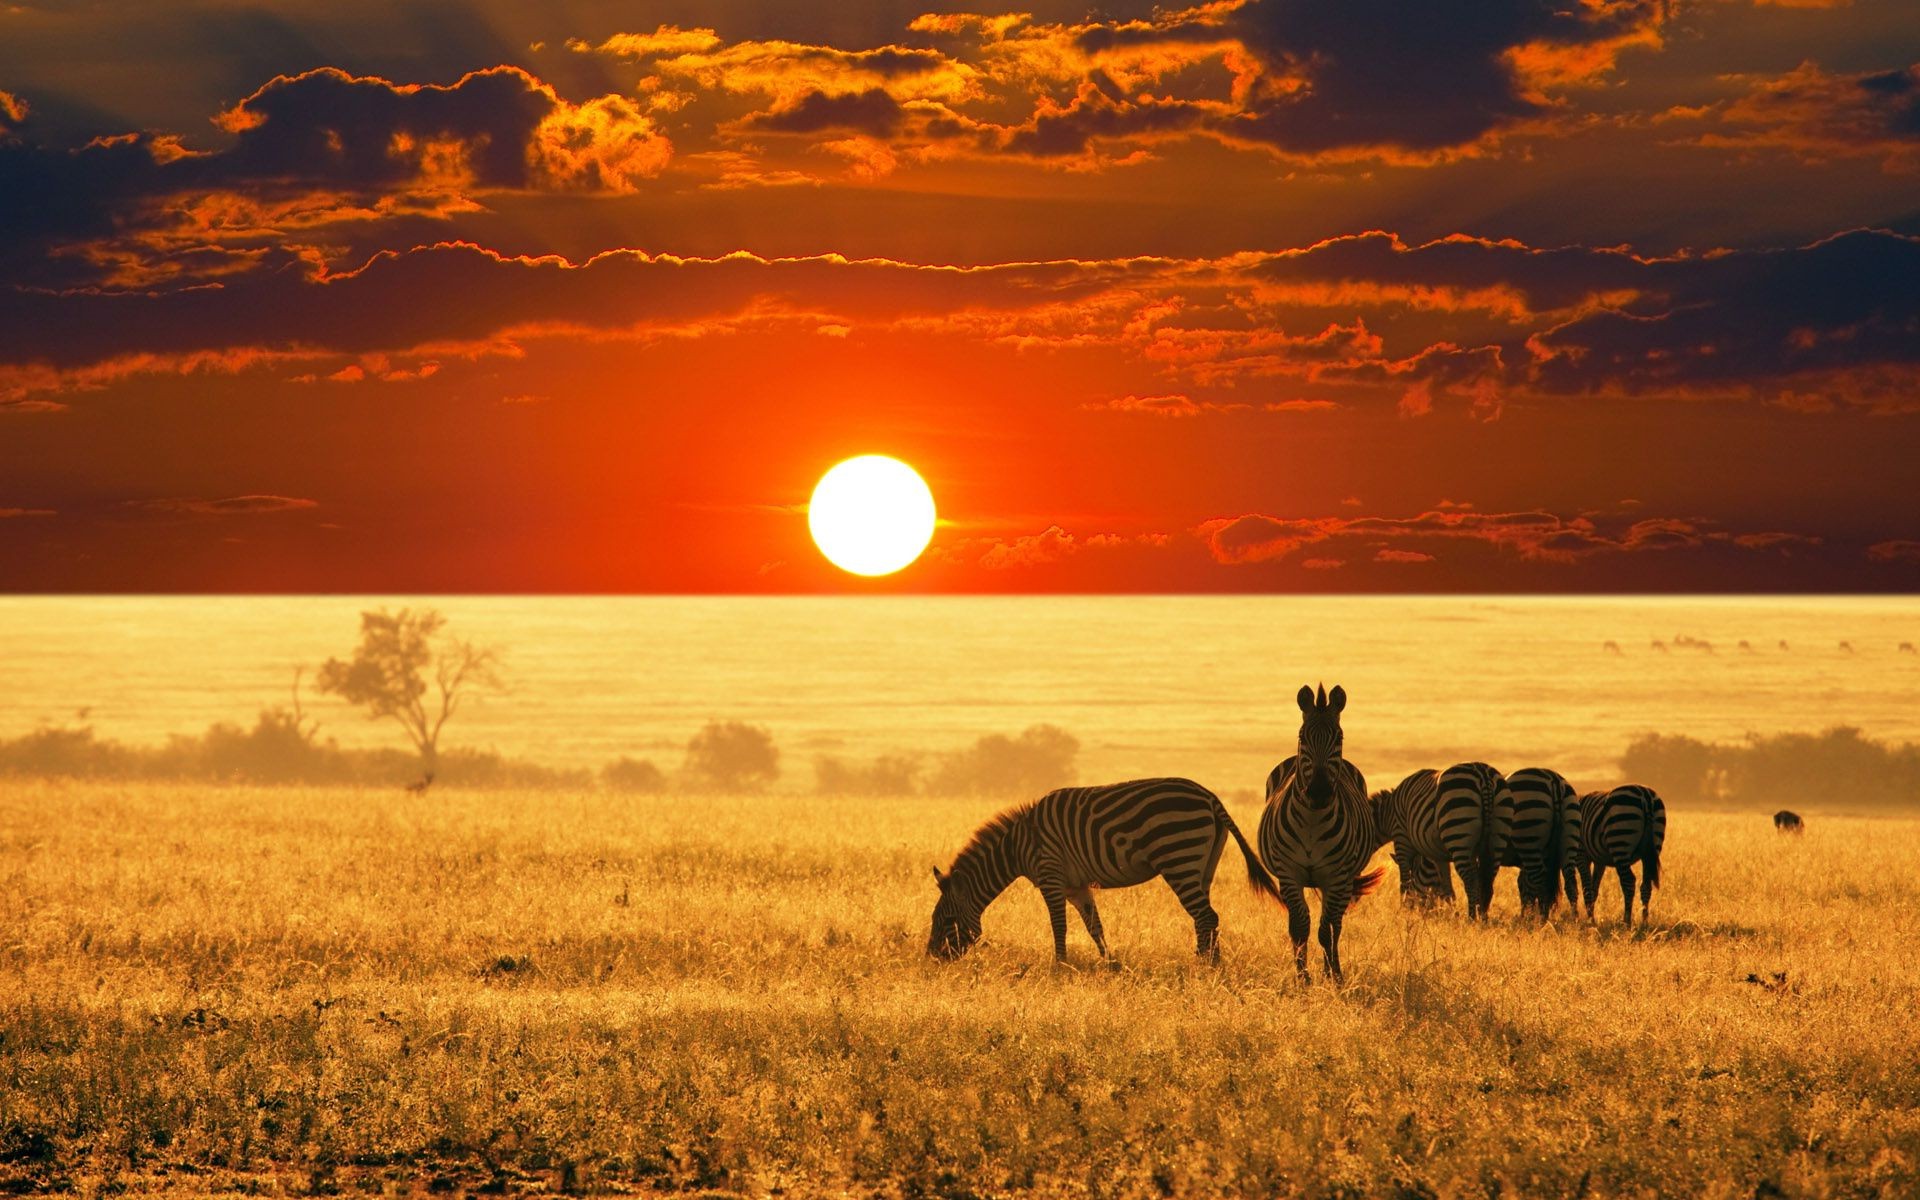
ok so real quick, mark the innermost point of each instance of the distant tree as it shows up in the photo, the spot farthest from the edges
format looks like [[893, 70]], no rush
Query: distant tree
[[1042, 757], [407, 670], [625, 774], [732, 756], [888, 775]]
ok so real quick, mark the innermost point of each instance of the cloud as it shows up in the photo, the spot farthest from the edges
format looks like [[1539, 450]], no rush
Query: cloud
[[1819, 116], [8, 514], [321, 144], [1835, 320], [229, 506], [1899, 550], [1530, 535], [1048, 546]]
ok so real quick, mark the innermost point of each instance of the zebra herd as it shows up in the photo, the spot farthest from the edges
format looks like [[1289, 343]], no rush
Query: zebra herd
[[1320, 829]]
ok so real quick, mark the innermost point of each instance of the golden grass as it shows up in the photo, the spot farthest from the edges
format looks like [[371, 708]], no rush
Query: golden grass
[[218, 989]]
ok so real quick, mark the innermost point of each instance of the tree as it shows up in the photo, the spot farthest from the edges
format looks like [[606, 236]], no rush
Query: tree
[[732, 756], [388, 675]]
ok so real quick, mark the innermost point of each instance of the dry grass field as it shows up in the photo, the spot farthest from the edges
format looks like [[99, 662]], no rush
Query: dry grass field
[[287, 990]]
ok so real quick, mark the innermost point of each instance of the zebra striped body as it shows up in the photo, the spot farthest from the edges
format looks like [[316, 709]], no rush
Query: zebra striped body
[[1318, 830], [1621, 829], [1541, 840], [1460, 818], [1475, 817], [1407, 816], [1074, 840]]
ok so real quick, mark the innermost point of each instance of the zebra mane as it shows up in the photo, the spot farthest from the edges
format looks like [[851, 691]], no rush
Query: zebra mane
[[991, 833]]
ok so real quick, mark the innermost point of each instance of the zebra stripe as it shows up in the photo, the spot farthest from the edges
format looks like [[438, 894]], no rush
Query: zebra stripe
[[1407, 815], [1476, 821], [1538, 846], [1318, 829], [1071, 841], [1620, 829]]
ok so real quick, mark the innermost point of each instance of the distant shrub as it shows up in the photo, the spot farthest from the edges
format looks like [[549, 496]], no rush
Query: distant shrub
[[1041, 758], [887, 775], [1840, 768], [731, 756], [625, 774]]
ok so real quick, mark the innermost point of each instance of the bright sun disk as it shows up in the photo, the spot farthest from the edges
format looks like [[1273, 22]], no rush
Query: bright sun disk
[[871, 515]]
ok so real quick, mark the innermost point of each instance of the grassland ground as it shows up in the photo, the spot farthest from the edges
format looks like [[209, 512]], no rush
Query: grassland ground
[[234, 989]]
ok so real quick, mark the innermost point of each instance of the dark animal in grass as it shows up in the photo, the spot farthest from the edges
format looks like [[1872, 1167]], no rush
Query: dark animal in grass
[[1073, 841], [1788, 822]]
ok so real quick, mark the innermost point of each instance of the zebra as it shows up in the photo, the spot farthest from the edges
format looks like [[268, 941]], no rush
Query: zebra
[[1073, 840], [1318, 830], [1406, 816], [1475, 803], [1543, 844], [1618, 829], [1439, 821], [1786, 821]]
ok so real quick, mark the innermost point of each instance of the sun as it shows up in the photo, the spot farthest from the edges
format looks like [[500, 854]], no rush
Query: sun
[[871, 515]]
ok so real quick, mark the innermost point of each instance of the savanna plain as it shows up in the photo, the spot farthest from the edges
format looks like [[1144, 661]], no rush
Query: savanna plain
[[287, 990]]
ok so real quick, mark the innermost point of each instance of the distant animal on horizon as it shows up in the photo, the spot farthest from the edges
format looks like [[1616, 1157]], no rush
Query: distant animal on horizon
[[420, 785], [1621, 829], [1786, 821], [1907, 648], [1544, 843], [1318, 830], [1659, 645], [1783, 644], [1846, 647], [1073, 840], [1746, 647], [1611, 647]]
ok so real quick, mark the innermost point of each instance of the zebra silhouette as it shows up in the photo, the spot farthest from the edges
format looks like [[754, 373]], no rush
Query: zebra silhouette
[[1545, 843], [1619, 830], [1318, 830], [1072, 841]]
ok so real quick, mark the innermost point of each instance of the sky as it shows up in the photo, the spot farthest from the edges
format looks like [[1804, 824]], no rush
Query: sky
[[1288, 296]]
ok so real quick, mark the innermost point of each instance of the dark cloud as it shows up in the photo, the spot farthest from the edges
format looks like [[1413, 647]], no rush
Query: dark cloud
[[873, 111]]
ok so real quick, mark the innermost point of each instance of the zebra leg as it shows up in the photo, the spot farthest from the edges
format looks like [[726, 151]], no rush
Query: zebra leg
[[1333, 909], [1299, 924], [1191, 888], [1626, 894], [1470, 883], [1056, 898], [1082, 899], [1646, 895], [1570, 883], [1589, 886]]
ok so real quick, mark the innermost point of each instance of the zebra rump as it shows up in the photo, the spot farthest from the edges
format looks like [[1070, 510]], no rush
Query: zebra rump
[[1475, 816], [1544, 837]]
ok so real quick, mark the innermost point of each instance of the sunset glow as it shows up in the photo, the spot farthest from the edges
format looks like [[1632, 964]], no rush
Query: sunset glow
[[871, 515]]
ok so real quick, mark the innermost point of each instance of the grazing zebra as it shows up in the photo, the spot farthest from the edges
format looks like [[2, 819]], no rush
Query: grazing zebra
[[1785, 821], [1540, 843], [1073, 840], [1460, 818], [1318, 830], [1620, 828], [1407, 816], [1474, 801]]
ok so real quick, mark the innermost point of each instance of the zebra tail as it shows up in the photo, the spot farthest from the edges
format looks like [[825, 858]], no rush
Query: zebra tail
[[1649, 857], [1368, 881], [1257, 876]]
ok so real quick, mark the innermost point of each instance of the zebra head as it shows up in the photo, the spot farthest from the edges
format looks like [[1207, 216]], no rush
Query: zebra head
[[1321, 745], [956, 921]]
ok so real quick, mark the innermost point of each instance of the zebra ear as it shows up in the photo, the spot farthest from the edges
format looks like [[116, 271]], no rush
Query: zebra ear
[[1337, 698], [940, 879], [1305, 698]]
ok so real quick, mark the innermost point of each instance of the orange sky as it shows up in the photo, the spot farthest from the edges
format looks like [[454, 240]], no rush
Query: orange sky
[[1258, 295]]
